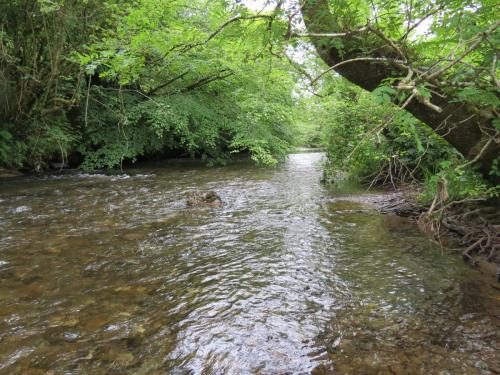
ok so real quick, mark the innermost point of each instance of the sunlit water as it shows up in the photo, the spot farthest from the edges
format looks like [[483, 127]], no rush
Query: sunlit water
[[113, 274]]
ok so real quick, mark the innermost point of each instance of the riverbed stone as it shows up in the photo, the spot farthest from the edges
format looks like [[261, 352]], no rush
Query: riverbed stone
[[95, 323], [203, 199], [71, 336]]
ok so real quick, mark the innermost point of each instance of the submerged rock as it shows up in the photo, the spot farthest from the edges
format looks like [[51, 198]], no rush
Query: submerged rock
[[21, 209], [203, 199]]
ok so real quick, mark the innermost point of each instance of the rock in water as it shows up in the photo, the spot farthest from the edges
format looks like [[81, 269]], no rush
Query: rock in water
[[203, 199]]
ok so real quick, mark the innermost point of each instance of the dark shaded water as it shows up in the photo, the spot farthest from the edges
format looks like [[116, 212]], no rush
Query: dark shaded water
[[112, 274]]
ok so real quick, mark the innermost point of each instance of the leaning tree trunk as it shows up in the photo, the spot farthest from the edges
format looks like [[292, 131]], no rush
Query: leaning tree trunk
[[468, 130]]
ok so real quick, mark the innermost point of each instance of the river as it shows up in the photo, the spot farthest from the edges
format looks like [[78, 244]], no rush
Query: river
[[112, 274]]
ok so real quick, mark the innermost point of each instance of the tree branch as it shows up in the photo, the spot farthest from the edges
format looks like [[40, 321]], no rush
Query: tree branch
[[494, 71], [206, 80], [393, 45], [170, 81], [479, 38], [419, 22], [379, 59], [327, 35]]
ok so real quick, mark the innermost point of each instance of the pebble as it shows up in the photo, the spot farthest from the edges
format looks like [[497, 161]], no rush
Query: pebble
[[21, 209], [71, 336]]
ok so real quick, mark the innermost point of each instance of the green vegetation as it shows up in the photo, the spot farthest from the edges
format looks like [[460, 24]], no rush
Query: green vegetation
[[97, 84], [433, 114], [119, 80], [437, 60], [370, 140]]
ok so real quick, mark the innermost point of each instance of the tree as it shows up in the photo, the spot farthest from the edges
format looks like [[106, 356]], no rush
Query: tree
[[103, 83], [453, 88]]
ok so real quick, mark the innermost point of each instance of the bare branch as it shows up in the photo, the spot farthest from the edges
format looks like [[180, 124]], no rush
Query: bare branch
[[234, 19], [327, 35], [380, 59], [224, 73], [479, 38], [494, 71], [419, 22], [425, 101], [170, 81], [187, 47], [393, 45], [479, 155], [422, 99]]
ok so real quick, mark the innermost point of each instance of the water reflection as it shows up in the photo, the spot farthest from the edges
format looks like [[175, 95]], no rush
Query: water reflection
[[112, 274]]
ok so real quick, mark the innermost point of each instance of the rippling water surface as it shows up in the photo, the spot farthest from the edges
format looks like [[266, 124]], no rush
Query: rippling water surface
[[112, 274]]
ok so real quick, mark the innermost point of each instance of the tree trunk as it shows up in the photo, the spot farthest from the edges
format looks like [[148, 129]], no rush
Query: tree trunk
[[458, 122]]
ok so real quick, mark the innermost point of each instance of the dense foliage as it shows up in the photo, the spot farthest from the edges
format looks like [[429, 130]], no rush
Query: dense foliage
[[119, 80], [437, 59], [369, 139]]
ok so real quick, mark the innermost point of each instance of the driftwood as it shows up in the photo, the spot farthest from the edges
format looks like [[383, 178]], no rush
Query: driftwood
[[401, 206]]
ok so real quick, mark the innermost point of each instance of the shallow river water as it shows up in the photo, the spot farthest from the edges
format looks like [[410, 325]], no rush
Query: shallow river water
[[114, 275]]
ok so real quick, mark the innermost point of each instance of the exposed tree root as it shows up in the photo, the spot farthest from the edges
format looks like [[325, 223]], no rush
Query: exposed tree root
[[476, 224]]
